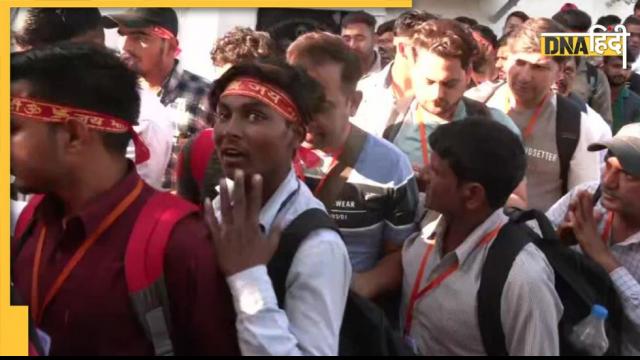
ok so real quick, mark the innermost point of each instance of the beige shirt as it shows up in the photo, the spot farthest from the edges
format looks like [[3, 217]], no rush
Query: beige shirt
[[445, 321]]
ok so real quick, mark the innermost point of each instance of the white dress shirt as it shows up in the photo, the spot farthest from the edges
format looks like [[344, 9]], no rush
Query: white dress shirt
[[445, 320], [317, 286]]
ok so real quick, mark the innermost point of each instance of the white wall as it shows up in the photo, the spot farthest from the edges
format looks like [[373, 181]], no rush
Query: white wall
[[200, 27]]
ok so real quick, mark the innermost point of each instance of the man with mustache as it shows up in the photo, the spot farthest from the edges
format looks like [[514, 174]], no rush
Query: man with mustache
[[626, 103], [608, 230], [440, 54], [529, 100], [151, 49]]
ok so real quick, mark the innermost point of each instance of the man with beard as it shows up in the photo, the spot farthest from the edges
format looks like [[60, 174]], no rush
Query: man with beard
[[358, 31], [554, 167], [626, 103], [150, 49], [386, 47], [441, 54], [608, 229]]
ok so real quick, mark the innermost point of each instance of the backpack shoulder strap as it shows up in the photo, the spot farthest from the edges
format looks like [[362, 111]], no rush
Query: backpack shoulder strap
[[511, 239], [339, 174], [592, 79], [292, 236], [567, 136], [201, 151], [144, 265], [475, 108]]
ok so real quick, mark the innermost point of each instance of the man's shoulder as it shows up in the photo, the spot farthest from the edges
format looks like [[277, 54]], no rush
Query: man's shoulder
[[382, 162], [194, 81]]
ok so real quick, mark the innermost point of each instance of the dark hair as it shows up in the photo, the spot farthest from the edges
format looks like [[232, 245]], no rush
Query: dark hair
[[45, 26], [631, 58], [631, 20], [573, 19], [242, 44], [306, 93], [482, 150], [466, 20], [408, 21], [609, 20], [503, 40], [636, 6], [526, 38], [359, 17], [83, 76], [320, 48], [519, 14], [486, 34], [385, 27], [447, 38]]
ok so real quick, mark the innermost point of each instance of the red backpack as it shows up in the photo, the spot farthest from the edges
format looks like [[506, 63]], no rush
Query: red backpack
[[144, 261]]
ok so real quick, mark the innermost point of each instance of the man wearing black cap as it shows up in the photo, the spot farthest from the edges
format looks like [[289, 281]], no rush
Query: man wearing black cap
[[150, 48], [609, 230]]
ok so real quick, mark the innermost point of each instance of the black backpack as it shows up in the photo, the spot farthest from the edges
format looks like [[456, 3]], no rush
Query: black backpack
[[579, 282], [567, 129], [365, 329]]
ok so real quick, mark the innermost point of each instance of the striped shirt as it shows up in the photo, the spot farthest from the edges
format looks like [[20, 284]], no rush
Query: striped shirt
[[376, 204]]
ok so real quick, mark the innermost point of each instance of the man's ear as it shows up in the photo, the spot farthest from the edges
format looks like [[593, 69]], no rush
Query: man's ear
[[474, 196], [354, 103], [75, 136]]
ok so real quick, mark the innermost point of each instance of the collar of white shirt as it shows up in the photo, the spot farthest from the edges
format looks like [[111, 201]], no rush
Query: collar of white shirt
[[269, 211], [497, 218]]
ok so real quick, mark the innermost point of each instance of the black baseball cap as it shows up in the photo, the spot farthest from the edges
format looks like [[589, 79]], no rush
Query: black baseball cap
[[142, 18]]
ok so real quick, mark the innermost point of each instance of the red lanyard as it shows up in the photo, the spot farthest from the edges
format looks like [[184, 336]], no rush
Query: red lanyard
[[608, 226], [532, 120], [334, 162], [417, 293], [423, 138], [36, 310]]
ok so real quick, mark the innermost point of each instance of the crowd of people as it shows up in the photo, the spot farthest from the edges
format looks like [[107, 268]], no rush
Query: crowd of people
[[388, 170]]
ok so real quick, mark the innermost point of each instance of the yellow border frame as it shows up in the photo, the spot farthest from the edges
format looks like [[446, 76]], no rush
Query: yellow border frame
[[13, 319]]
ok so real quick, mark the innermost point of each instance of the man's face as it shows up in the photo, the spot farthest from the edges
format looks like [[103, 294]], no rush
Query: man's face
[[385, 46], [501, 59], [36, 154], [361, 39], [442, 191], [634, 39], [438, 82], [620, 190], [142, 51], [512, 23], [253, 137], [530, 76], [616, 74], [333, 118], [566, 77]]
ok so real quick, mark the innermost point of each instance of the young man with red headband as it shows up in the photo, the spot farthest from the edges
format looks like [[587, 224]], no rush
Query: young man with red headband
[[295, 308], [608, 231], [468, 184], [151, 49], [366, 183], [75, 243]]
